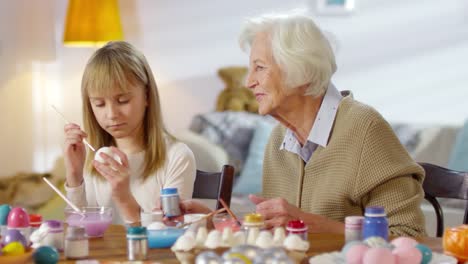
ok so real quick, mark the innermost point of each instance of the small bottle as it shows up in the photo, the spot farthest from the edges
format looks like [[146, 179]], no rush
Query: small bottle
[[297, 227], [54, 236], [137, 243], [353, 228], [252, 225], [76, 243], [170, 202], [35, 221], [375, 223]]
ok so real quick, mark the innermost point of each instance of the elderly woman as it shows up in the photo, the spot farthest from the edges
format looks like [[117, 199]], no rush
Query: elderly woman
[[331, 156]]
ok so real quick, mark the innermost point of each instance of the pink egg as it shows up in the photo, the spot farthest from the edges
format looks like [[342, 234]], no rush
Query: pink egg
[[407, 255], [379, 255], [404, 242], [18, 217], [355, 254]]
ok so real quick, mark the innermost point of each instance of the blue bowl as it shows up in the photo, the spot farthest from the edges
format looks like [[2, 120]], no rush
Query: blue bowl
[[164, 238]]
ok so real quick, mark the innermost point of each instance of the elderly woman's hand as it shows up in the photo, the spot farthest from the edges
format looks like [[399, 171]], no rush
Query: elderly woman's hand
[[277, 212]]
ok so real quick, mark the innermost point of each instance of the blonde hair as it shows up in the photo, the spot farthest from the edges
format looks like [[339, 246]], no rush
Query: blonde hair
[[299, 47], [116, 66]]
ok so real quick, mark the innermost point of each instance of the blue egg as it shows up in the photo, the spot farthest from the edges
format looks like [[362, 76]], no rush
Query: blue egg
[[4, 211], [425, 252], [46, 255]]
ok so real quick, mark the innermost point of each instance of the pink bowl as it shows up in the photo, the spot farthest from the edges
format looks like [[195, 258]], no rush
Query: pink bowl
[[17, 218]]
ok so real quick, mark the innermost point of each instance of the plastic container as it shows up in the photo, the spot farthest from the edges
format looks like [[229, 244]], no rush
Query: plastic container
[[170, 202], [164, 238], [297, 227], [252, 225], [375, 223], [76, 243], [137, 243], [353, 228]]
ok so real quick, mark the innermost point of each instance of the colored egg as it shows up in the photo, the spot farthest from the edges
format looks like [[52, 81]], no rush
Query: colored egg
[[18, 217], [407, 255], [404, 242], [379, 255], [13, 249], [4, 211], [355, 254], [46, 255], [425, 252], [13, 235], [350, 244]]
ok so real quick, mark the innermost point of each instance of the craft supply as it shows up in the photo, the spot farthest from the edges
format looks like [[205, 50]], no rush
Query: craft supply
[[252, 225], [54, 236], [76, 243], [229, 211], [67, 122], [297, 227], [353, 228], [72, 205], [375, 223], [137, 243], [170, 202], [203, 217], [35, 221], [18, 219]]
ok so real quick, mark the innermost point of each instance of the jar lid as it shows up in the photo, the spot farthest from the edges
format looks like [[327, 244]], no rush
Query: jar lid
[[296, 224], [253, 218], [54, 224], [354, 220], [375, 211], [168, 191], [136, 230], [75, 232], [35, 220]]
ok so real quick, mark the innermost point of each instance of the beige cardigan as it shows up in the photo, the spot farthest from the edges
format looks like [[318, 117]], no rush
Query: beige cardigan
[[363, 164]]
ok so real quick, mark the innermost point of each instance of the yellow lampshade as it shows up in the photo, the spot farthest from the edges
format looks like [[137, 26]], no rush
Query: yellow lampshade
[[92, 23]]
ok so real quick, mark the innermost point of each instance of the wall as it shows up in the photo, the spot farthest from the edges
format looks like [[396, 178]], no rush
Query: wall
[[406, 58]]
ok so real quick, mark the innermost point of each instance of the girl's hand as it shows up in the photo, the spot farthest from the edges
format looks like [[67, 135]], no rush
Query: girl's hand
[[74, 154], [118, 175]]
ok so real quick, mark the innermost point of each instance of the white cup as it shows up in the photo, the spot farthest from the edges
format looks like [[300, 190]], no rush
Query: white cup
[[150, 217]]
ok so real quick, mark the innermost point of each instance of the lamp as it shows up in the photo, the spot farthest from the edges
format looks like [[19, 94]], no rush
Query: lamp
[[92, 23]]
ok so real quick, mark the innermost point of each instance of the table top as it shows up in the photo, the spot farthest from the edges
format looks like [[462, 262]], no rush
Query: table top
[[113, 247]]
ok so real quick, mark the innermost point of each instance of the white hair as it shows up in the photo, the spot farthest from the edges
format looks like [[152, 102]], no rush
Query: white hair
[[299, 47]]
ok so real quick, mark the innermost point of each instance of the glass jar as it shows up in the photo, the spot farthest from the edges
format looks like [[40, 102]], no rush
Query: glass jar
[[353, 228], [76, 243], [251, 226], [54, 236], [297, 227], [170, 202], [137, 243], [375, 223]]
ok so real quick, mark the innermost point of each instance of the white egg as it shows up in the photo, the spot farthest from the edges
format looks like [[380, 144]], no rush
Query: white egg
[[184, 243], [108, 151], [213, 240]]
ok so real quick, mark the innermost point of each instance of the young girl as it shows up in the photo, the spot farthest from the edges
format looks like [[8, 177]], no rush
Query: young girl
[[121, 108]]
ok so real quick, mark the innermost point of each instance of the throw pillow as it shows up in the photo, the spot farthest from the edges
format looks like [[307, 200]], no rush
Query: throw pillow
[[459, 156], [250, 179]]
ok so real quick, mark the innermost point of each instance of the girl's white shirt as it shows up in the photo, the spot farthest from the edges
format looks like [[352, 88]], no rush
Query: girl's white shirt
[[177, 172]]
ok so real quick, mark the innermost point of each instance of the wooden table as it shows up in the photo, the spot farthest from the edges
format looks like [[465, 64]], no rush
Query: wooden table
[[112, 247]]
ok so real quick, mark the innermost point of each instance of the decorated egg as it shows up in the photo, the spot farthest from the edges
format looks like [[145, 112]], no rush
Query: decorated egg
[[250, 251], [208, 257], [404, 242], [355, 253], [350, 244], [425, 252], [4, 211], [13, 235], [379, 255], [46, 255], [455, 242], [13, 249], [18, 218], [407, 255]]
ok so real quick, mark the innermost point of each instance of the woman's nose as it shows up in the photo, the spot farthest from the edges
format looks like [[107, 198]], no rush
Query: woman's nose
[[251, 82]]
